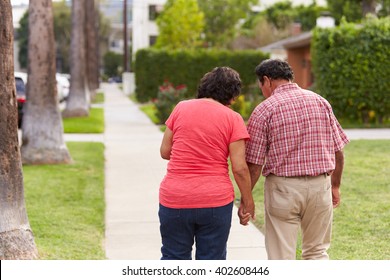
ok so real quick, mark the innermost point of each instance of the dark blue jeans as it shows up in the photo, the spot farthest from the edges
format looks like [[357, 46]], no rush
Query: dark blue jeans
[[208, 227]]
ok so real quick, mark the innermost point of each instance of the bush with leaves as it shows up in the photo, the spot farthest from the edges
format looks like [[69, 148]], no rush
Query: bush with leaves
[[153, 67], [167, 97], [350, 63]]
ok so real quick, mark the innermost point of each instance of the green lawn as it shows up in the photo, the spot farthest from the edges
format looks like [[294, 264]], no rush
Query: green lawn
[[359, 124], [94, 123], [150, 110], [361, 226], [65, 204], [99, 98]]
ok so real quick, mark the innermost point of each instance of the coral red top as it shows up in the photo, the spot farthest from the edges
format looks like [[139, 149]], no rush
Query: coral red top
[[197, 174]]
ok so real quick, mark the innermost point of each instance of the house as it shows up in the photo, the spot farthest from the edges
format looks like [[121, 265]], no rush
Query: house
[[113, 11], [296, 51], [298, 56], [144, 27]]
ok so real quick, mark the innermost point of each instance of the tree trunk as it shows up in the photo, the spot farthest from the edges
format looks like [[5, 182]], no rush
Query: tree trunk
[[368, 7], [42, 137], [78, 101], [92, 44], [16, 238]]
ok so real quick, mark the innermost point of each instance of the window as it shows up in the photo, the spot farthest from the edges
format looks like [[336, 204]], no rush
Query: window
[[152, 40], [152, 12]]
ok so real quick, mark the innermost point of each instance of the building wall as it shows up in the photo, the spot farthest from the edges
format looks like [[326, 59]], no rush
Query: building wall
[[300, 61], [143, 28]]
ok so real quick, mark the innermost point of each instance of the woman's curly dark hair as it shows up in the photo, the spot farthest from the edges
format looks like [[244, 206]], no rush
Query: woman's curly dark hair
[[222, 84]]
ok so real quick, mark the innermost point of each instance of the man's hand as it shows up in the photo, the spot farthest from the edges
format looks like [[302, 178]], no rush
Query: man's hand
[[246, 211], [336, 196]]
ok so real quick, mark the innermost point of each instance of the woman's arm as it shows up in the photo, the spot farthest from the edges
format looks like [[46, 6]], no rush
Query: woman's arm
[[243, 179], [166, 144]]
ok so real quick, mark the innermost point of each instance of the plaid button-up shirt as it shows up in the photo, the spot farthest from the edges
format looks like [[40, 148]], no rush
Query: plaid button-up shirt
[[294, 133]]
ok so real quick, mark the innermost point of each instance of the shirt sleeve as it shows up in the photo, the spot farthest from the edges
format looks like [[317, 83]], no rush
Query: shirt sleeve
[[239, 129], [170, 122], [256, 147], [340, 139]]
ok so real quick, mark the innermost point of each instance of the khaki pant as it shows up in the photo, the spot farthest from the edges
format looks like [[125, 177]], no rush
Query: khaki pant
[[298, 202]]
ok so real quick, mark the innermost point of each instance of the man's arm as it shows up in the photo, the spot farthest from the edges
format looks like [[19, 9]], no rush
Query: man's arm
[[336, 178], [255, 172]]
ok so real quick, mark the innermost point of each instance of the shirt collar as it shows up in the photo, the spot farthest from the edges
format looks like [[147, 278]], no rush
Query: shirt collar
[[285, 88]]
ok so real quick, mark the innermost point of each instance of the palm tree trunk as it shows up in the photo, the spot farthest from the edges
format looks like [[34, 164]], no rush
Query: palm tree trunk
[[92, 46], [42, 138], [16, 238], [78, 101]]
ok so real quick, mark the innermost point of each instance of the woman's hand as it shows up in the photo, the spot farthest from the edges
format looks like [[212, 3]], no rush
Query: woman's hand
[[246, 211]]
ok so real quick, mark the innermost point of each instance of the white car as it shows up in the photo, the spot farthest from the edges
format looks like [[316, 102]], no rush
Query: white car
[[62, 86]]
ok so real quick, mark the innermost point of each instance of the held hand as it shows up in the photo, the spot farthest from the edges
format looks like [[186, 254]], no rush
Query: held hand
[[246, 211], [244, 217], [336, 196]]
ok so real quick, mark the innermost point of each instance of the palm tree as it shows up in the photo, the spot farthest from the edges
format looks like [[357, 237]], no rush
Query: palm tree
[[42, 138], [92, 45], [78, 101], [16, 238]]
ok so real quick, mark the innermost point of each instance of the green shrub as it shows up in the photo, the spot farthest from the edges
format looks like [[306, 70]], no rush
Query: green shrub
[[167, 98], [153, 67], [113, 64], [350, 64]]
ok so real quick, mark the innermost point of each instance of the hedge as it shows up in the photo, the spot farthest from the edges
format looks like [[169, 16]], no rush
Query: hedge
[[351, 66], [153, 67]]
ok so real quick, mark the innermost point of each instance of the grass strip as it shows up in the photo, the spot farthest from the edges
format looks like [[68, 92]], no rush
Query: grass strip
[[99, 98], [150, 110], [65, 205], [94, 123]]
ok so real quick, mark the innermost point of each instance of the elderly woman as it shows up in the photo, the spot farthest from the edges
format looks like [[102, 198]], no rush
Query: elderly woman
[[196, 195]]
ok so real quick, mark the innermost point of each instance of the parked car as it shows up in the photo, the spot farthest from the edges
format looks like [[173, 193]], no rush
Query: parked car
[[20, 84], [63, 85], [115, 79]]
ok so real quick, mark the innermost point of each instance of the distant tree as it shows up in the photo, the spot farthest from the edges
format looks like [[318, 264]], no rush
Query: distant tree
[[275, 22], [42, 137], [78, 101], [23, 41], [222, 18], [16, 238], [62, 28], [180, 25], [281, 14], [355, 10], [261, 32], [62, 34], [307, 15]]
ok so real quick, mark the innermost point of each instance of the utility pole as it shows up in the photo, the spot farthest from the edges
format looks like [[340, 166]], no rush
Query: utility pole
[[125, 51]]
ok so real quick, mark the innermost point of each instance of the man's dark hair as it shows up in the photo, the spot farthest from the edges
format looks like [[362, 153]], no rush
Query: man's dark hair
[[274, 69], [221, 84]]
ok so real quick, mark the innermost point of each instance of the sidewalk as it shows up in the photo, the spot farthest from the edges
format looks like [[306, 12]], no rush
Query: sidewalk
[[133, 173]]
